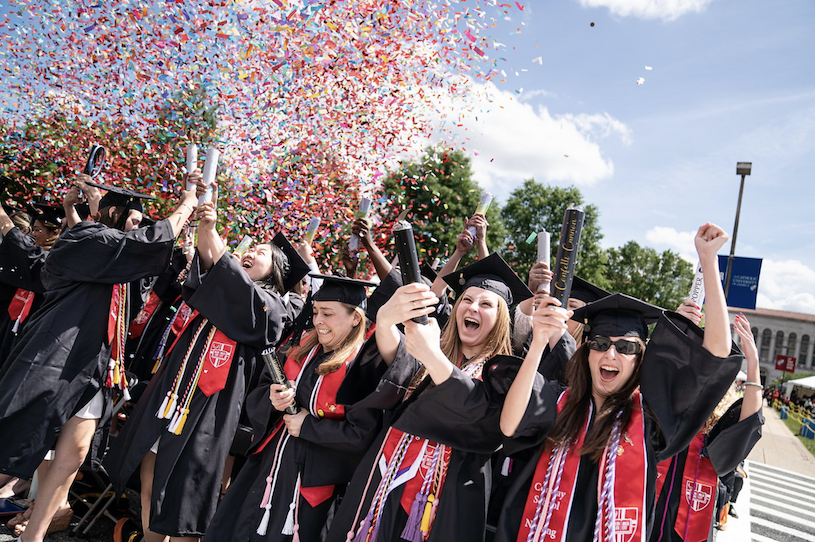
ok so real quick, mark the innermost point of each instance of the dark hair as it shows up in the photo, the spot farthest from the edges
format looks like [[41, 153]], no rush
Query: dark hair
[[280, 268], [117, 220], [570, 421]]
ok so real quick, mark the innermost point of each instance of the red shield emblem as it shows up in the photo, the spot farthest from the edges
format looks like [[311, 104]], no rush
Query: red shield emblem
[[625, 524], [701, 497], [220, 353]]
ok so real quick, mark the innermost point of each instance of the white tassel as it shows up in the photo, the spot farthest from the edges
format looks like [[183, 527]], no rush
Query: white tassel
[[126, 394], [163, 407], [505, 466], [173, 405], [264, 523], [174, 423], [16, 325], [288, 527]]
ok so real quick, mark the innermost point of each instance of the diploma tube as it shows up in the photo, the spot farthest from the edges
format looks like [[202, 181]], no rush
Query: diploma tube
[[483, 205], [192, 162], [362, 212], [96, 161], [311, 231], [697, 287], [210, 169], [567, 254], [243, 246], [544, 253], [408, 259], [278, 376]]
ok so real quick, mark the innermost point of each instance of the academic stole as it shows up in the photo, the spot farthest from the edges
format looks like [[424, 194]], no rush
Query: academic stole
[[421, 466], [20, 307], [699, 486], [621, 501], [144, 316], [321, 404], [117, 336], [209, 374]]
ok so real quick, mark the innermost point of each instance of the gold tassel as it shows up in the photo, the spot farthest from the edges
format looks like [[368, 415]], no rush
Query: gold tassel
[[155, 367], [170, 406], [181, 422], [116, 373], [428, 508]]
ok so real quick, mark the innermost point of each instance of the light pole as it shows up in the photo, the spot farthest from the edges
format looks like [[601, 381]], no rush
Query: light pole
[[743, 169]]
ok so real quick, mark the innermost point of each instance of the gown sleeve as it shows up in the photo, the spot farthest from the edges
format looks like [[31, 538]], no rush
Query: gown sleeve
[[259, 410], [92, 252], [21, 262], [731, 440], [682, 382], [234, 304]]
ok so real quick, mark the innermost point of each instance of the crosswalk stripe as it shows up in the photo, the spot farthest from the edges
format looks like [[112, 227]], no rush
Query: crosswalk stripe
[[779, 532], [781, 513], [794, 503], [782, 485], [775, 471]]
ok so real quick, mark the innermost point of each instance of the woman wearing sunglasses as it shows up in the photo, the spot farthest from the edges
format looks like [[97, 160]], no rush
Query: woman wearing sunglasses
[[594, 446]]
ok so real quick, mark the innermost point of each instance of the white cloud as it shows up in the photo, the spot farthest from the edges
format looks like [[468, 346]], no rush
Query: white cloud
[[649, 9], [513, 140], [784, 285]]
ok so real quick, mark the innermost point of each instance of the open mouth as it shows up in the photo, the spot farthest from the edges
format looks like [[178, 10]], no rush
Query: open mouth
[[247, 263], [323, 331], [608, 373], [471, 323]]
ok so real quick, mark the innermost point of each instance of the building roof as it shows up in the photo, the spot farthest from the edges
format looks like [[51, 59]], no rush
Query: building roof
[[776, 314]]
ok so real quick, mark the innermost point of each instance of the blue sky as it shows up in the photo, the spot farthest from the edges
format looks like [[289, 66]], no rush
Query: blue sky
[[730, 81]]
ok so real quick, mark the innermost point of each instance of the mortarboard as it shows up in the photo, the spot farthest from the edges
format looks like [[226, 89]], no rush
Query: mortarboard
[[298, 268], [618, 315], [587, 292], [120, 197], [342, 289], [491, 273], [52, 215]]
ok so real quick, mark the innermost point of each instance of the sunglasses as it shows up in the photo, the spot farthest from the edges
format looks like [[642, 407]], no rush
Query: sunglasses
[[601, 344]]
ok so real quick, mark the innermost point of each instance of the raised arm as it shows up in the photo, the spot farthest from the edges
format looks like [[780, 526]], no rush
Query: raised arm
[[464, 244], [362, 227], [709, 239], [752, 389], [407, 302]]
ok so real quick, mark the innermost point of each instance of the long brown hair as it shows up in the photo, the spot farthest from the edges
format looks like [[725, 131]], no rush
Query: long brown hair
[[353, 341], [498, 341], [570, 421]]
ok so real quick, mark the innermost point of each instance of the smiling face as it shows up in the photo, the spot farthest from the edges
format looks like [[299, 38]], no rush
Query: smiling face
[[334, 322], [476, 315], [610, 370], [257, 262], [42, 233]]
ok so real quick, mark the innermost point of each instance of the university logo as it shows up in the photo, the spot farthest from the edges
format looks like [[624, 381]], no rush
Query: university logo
[[220, 353], [625, 523], [701, 497]]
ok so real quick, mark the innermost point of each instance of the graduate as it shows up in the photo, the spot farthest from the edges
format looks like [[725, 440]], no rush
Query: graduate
[[57, 382], [724, 441], [594, 447], [179, 435], [427, 476], [301, 462]]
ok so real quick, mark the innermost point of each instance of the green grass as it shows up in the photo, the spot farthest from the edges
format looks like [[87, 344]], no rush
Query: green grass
[[795, 427]]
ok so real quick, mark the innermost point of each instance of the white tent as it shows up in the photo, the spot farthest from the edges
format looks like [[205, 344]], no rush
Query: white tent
[[807, 383]]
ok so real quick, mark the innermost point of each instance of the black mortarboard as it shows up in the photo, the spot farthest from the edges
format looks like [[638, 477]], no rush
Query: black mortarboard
[[120, 197], [298, 268], [342, 289], [53, 215], [491, 273], [618, 315], [587, 292]]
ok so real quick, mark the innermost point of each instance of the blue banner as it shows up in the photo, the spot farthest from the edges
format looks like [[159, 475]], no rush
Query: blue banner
[[743, 281]]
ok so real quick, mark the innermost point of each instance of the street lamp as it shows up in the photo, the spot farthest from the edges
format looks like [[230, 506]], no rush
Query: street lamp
[[743, 169]]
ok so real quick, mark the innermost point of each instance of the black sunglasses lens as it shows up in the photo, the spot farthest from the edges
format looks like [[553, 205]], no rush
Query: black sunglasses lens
[[601, 344]]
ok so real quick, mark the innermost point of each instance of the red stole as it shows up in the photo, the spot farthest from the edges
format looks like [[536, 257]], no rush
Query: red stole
[[116, 336], [629, 485], [20, 307], [698, 497], [217, 361], [138, 325]]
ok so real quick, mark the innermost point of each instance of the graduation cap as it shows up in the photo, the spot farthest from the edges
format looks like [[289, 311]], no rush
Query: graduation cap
[[618, 315], [343, 289], [120, 197], [298, 268], [587, 292], [52, 215], [491, 273]]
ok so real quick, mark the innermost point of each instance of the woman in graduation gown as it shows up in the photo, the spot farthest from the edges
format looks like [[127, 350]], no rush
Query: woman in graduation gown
[[595, 447], [301, 462], [180, 432], [58, 379], [435, 451], [717, 449]]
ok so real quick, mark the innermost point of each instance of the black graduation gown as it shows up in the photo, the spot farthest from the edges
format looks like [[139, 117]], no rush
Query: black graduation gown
[[188, 470], [20, 265], [681, 384], [728, 444], [60, 360], [326, 453], [461, 413]]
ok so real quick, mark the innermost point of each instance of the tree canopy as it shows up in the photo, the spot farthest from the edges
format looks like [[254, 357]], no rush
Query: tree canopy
[[661, 278]]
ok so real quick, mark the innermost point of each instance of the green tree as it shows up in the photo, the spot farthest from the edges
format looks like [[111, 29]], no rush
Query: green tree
[[660, 278], [440, 194], [535, 207]]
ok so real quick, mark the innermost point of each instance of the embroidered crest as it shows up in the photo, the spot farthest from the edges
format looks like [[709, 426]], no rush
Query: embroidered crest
[[220, 353], [702, 496], [625, 524]]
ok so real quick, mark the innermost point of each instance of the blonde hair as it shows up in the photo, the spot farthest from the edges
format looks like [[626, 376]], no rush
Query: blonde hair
[[352, 342], [724, 405], [498, 341]]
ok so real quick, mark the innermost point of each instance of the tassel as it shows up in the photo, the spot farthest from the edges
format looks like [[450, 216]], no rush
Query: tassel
[[296, 537], [428, 509], [116, 373], [264, 523], [174, 422], [374, 533], [16, 326], [161, 414], [172, 407], [126, 394], [364, 529], [506, 468], [412, 531], [182, 420], [288, 527]]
